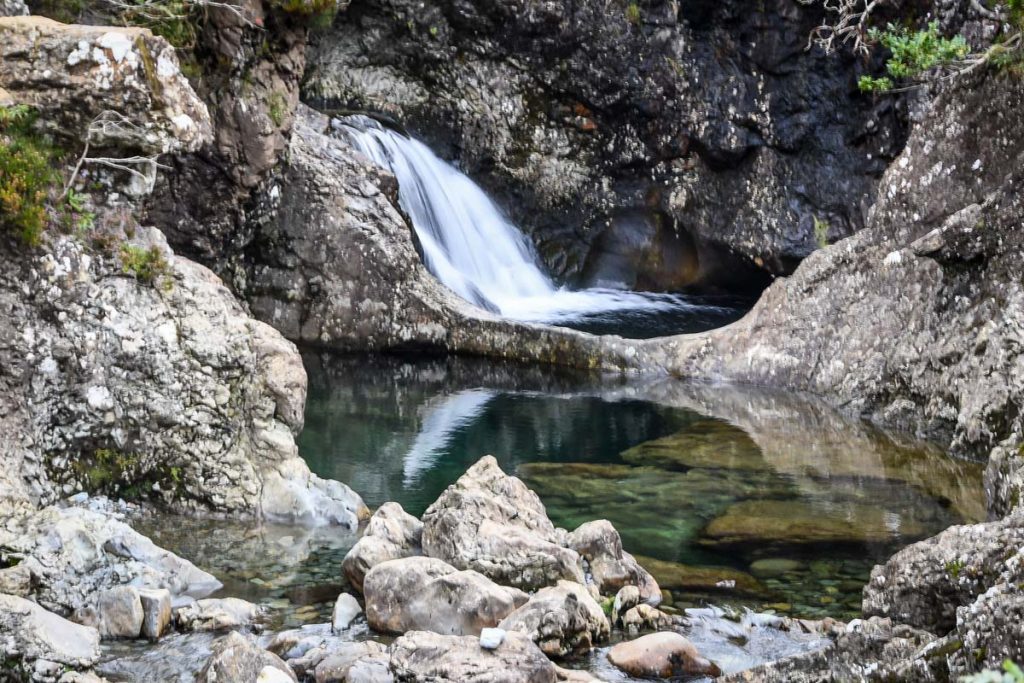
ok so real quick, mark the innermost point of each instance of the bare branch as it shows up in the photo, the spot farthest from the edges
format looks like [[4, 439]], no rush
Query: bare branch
[[110, 127], [849, 28]]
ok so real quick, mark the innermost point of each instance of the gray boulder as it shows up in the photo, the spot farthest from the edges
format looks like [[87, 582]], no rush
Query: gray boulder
[[119, 612], [239, 659], [29, 633], [156, 608], [307, 648], [426, 594], [491, 522], [426, 657], [562, 619], [216, 614], [391, 533], [611, 567]]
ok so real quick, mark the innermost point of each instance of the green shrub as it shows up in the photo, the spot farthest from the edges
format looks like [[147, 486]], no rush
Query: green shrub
[[277, 108], [147, 265], [1011, 674], [913, 53], [27, 176], [633, 13], [820, 232]]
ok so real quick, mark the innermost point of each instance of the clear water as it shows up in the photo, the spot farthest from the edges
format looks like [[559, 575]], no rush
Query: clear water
[[789, 500], [474, 250]]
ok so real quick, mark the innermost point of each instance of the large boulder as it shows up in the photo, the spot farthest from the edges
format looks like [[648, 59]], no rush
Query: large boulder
[[611, 567], [392, 533], [425, 657], [119, 612], [562, 619], [239, 659], [72, 74], [29, 633], [426, 594], [491, 522], [661, 655], [74, 554], [925, 583]]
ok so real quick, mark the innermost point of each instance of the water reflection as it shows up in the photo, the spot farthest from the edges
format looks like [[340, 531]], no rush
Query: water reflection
[[733, 494]]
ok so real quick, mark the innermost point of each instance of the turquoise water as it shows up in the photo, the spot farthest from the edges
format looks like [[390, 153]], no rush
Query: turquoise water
[[785, 501]]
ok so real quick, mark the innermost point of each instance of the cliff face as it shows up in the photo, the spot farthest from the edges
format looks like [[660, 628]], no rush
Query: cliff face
[[644, 128]]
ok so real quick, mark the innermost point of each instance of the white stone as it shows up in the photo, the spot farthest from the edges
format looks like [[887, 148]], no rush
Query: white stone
[[346, 609], [491, 638]]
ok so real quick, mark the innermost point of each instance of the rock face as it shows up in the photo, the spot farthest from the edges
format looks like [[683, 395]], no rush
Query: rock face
[[491, 522], [120, 612], [425, 594], [28, 633], [600, 545], [936, 274], [661, 655], [617, 134], [167, 391], [421, 656], [236, 658], [392, 533], [562, 619], [72, 74]]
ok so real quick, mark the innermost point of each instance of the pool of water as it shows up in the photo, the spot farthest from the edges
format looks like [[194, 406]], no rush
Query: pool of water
[[729, 495]]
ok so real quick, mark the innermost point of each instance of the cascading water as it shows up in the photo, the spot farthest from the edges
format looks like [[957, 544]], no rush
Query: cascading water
[[474, 250]]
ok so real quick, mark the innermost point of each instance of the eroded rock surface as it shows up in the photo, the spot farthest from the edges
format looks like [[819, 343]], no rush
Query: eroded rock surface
[[562, 619], [492, 523], [29, 633], [237, 658], [661, 655], [391, 533], [422, 656], [426, 594]]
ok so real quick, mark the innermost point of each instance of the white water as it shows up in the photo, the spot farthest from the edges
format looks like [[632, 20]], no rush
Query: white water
[[472, 248]]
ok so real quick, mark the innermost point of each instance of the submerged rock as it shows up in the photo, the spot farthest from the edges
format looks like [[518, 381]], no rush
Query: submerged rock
[[491, 522], [425, 657], [392, 533], [661, 655], [799, 522], [422, 593], [693, 579], [562, 619]]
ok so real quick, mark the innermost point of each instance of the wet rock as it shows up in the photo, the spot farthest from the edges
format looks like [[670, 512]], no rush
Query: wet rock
[[661, 655], [611, 567], [924, 584], [215, 614], [346, 609], [626, 599], [156, 608], [338, 666], [73, 73], [799, 522], [29, 633], [306, 648], [391, 534], [370, 670], [490, 522], [645, 618], [707, 443], [292, 493], [119, 612], [422, 657], [562, 619], [238, 659], [422, 593]]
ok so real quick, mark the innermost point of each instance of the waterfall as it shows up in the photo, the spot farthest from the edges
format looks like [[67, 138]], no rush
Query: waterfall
[[472, 248]]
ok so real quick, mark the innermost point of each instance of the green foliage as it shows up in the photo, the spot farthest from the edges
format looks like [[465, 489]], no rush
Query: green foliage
[[1016, 13], [1011, 674], [64, 11], [633, 13], [954, 567], [277, 108], [27, 176], [914, 52], [147, 265], [821, 228], [872, 84]]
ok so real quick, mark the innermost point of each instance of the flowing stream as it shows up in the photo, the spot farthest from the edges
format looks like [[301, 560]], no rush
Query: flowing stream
[[475, 251]]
